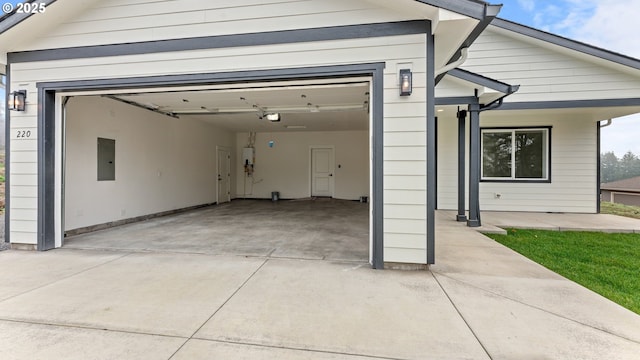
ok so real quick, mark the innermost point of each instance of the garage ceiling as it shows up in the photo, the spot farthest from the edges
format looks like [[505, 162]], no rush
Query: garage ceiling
[[336, 106]]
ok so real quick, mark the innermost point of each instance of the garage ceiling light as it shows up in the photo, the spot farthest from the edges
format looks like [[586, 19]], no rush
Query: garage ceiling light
[[273, 117]]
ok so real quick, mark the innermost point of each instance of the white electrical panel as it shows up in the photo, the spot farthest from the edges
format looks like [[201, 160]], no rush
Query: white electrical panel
[[247, 156]]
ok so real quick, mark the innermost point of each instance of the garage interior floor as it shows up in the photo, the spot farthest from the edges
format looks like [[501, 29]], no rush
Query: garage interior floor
[[318, 229]]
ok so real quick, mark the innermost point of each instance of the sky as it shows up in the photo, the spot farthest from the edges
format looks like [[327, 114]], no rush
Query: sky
[[610, 24]]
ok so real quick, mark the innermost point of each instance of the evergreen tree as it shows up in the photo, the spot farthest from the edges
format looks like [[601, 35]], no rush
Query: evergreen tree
[[614, 169], [609, 167], [629, 165]]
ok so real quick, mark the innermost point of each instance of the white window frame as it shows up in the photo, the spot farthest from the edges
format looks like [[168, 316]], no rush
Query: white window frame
[[547, 154]]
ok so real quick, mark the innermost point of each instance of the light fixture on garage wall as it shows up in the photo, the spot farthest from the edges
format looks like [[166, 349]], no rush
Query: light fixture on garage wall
[[273, 117], [17, 100], [406, 79]]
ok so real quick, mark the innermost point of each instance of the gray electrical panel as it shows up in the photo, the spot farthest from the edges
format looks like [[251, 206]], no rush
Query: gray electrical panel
[[106, 159]]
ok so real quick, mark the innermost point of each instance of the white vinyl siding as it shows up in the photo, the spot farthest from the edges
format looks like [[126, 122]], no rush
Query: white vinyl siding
[[447, 177], [113, 21], [404, 116], [573, 168], [546, 72]]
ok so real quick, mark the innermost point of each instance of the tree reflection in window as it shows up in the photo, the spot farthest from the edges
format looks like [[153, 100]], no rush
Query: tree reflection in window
[[496, 154], [510, 154]]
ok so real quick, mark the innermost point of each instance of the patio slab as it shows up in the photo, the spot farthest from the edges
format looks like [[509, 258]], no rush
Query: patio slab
[[28, 270], [561, 221], [46, 342], [153, 293], [345, 309], [205, 350], [511, 329]]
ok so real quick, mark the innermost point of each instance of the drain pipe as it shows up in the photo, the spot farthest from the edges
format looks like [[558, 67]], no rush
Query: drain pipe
[[609, 122], [464, 53]]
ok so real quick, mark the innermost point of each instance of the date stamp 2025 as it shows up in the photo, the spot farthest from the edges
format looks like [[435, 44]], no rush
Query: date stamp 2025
[[24, 8]]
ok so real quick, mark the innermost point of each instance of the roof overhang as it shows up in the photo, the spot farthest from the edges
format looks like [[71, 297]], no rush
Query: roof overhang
[[455, 24], [562, 43], [462, 83]]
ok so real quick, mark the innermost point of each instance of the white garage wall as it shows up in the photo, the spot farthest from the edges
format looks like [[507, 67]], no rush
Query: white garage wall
[[162, 163], [574, 167], [285, 167]]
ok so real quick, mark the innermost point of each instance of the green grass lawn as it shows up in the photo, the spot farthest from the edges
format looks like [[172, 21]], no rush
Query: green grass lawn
[[620, 209], [608, 264]]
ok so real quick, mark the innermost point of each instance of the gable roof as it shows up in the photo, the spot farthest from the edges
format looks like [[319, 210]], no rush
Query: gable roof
[[631, 184], [457, 23], [475, 9], [567, 43], [13, 18]]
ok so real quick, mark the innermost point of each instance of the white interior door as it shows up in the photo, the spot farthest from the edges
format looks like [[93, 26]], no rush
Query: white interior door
[[322, 172], [224, 176]]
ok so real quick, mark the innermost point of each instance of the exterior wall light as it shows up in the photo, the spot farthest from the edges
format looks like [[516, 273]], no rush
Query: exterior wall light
[[406, 80], [273, 117], [17, 100]]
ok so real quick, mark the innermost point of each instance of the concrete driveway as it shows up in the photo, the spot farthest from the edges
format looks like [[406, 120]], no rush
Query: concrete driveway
[[480, 301]]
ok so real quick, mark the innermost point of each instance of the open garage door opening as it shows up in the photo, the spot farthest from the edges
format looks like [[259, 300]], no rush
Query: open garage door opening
[[277, 169]]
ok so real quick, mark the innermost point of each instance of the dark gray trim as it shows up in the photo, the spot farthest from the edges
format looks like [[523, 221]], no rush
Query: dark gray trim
[[569, 104], [462, 165], [483, 81], [516, 127], [474, 166], [488, 15], [431, 147], [12, 19], [378, 166], [46, 114], [456, 100], [7, 160], [225, 41], [512, 181], [213, 78], [435, 185], [599, 166], [471, 8], [567, 43], [46, 169], [523, 181]]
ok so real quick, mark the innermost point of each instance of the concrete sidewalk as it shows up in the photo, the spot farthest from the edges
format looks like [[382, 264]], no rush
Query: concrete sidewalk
[[561, 221], [480, 301]]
